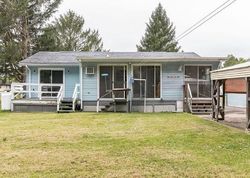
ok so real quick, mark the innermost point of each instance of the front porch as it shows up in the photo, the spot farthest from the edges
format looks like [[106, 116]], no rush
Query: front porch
[[30, 97]]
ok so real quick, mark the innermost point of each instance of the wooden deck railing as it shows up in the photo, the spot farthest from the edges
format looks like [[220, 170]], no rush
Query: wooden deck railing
[[75, 95], [31, 90], [189, 97]]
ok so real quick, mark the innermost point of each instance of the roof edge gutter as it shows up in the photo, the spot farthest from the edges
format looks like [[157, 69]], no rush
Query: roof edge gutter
[[149, 59], [49, 64]]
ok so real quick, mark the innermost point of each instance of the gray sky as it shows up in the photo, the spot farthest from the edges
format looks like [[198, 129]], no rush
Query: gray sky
[[122, 23]]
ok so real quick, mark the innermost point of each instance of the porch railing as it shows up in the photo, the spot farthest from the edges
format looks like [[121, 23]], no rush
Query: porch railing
[[38, 91], [59, 98], [189, 98], [75, 95], [98, 100]]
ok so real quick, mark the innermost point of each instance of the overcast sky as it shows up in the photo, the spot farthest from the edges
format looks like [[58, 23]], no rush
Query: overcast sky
[[122, 23]]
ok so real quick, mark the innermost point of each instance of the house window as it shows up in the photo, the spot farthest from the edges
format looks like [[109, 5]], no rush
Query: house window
[[198, 78], [50, 77], [149, 75]]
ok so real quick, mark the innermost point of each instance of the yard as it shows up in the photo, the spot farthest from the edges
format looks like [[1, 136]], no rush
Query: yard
[[120, 145]]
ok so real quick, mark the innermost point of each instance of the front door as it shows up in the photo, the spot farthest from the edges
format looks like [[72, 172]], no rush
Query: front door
[[51, 81], [198, 78], [112, 77]]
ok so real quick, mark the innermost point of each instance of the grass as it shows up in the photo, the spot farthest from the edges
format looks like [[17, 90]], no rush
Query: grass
[[120, 145]]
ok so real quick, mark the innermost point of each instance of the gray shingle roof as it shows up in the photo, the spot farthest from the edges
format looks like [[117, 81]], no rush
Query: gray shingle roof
[[73, 58]]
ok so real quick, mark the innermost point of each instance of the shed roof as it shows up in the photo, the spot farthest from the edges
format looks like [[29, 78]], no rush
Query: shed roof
[[73, 58], [237, 71]]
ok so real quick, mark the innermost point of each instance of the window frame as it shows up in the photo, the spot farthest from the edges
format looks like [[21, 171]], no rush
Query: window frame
[[52, 69], [153, 65], [98, 78], [198, 65]]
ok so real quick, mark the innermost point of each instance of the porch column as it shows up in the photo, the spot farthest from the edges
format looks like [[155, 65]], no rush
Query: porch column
[[248, 102], [130, 85], [218, 108], [223, 99], [80, 78]]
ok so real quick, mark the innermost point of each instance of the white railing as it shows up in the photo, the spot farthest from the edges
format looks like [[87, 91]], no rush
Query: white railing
[[75, 95], [31, 90], [98, 100], [59, 98], [189, 98]]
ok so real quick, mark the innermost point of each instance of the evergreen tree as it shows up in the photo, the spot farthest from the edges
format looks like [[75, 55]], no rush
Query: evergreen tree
[[20, 23], [160, 33], [67, 33], [47, 40]]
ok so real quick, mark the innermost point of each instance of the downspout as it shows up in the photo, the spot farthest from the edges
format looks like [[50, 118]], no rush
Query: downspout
[[81, 89]]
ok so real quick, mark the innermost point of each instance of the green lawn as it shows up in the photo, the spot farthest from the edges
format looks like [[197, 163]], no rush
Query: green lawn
[[120, 145]]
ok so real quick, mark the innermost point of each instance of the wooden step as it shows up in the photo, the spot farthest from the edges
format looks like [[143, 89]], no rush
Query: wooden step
[[65, 111], [201, 110], [201, 106], [66, 107], [201, 113]]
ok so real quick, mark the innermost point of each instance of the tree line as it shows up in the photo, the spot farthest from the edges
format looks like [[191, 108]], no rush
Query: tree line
[[25, 29]]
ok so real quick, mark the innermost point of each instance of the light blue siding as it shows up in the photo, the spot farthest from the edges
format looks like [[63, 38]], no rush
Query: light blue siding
[[34, 75], [89, 84], [236, 100], [172, 79], [71, 76], [172, 82], [71, 79], [34, 80]]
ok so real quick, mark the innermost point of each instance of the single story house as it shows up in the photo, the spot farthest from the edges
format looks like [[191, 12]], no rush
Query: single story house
[[115, 81]]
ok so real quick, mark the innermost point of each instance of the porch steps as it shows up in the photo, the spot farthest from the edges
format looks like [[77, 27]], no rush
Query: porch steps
[[202, 106], [66, 106]]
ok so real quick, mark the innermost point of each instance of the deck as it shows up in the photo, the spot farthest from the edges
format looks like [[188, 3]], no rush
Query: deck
[[35, 105]]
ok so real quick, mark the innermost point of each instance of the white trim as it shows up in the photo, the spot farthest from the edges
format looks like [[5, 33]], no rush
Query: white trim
[[150, 59], [29, 80], [132, 72], [48, 64], [81, 84], [97, 86], [86, 70], [53, 69]]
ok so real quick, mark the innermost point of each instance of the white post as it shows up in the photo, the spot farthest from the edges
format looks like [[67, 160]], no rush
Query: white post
[[39, 91], [97, 107], [81, 89], [29, 87], [145, 97]]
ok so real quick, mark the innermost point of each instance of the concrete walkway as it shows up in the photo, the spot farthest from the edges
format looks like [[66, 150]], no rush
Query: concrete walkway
[[234, 117]]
